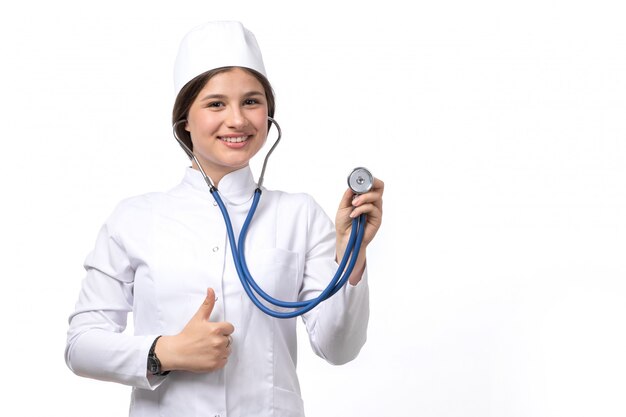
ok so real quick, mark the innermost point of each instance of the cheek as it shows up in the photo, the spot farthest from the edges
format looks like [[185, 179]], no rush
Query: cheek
[[198, 125], [260, 122]]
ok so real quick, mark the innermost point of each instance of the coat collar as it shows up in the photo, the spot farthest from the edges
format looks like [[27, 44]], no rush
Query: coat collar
[[236, 187]]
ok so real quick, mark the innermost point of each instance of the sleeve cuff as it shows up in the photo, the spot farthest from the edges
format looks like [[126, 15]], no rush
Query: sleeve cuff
[[151, 382]]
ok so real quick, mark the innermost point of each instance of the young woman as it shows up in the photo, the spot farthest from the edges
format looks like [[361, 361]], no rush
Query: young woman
[[200, 346]]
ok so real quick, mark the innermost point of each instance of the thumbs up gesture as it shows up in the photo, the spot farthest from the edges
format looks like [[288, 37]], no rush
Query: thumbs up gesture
[[202, 346]]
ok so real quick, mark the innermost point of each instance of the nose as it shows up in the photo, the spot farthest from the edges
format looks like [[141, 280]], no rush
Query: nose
[[236, 118]]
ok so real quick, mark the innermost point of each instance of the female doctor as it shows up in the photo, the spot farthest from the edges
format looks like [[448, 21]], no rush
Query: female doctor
[[200, 346]]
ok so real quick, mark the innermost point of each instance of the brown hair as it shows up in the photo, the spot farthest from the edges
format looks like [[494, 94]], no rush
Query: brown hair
[[190, 91]]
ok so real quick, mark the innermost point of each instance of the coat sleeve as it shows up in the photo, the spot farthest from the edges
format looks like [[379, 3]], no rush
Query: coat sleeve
[[96, 345], [337, 327]]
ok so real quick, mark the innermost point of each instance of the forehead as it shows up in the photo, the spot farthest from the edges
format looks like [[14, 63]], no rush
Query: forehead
[[234, 81]]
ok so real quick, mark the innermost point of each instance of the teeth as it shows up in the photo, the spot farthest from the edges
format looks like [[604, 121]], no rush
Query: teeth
[[235, 140]]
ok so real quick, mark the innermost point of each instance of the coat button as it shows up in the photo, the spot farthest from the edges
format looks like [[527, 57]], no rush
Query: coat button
[[215, 204], [215, 249]]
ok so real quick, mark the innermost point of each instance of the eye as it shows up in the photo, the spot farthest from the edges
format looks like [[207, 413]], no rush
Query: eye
[[250, 101], [215, 104]]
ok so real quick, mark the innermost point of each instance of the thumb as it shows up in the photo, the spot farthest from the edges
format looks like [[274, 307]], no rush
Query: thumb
[[206, 308], [346, 199]]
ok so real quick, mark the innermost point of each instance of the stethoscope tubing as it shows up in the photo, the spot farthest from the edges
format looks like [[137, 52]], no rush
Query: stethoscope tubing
[[249, 284]]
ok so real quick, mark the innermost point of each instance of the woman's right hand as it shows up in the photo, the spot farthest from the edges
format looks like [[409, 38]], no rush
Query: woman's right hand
[[202, 346]]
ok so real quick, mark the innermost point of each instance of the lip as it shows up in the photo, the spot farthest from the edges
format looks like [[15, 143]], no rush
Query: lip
[[234, 135], [235, 145]]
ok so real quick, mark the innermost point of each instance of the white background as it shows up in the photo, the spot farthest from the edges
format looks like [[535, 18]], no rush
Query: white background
[[497, 279]]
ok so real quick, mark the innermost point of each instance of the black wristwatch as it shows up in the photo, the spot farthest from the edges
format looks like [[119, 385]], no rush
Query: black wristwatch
[[154, 364]]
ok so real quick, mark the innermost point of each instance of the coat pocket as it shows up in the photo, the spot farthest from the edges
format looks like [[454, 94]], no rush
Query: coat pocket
[[275, 271], [287, 403]]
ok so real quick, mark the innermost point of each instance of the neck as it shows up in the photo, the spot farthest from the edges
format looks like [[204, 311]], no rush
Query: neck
[[214, 174]]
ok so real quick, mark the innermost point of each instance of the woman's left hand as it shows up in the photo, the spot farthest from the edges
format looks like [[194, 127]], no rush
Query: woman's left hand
[[370, 203]]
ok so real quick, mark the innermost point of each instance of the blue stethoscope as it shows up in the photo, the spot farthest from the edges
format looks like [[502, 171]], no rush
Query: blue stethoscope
[[360, 181]]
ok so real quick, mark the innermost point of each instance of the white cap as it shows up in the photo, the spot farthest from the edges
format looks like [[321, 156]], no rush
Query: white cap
[[215, 45]]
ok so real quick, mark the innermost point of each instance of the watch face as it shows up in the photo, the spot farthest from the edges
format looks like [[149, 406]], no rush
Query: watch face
[[153, 365]]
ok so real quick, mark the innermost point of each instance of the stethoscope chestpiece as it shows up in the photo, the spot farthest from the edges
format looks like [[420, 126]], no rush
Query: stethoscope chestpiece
[[360, 180]]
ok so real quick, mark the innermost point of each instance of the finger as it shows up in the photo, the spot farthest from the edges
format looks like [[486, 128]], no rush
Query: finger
[[227, 329], [222, 328], [373, 197], [206, 308], [346, 199], [372, 211]]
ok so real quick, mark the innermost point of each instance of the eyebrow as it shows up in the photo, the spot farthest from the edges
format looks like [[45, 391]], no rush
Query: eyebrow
[[222, 96]]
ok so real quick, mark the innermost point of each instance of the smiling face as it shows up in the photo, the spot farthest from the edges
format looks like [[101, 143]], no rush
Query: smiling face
[[228, 122]]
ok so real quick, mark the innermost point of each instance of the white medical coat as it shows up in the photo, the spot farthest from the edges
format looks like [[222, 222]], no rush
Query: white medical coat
[[155, 257]]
